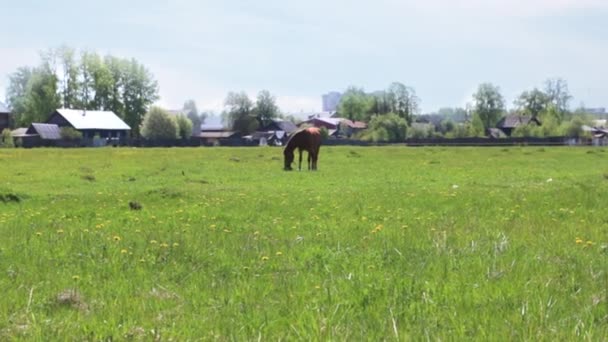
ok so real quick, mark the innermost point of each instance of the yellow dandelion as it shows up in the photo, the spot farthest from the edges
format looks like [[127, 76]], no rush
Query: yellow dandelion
[[85, 230], [175, 244], [164, 245], [137, 231], [318, 287], [227, 231], [117, 238], [38, 234], [590, 243], [142, 260], [279, 253], [59, 231], [75, 277], [123, 251], [579, 241], [153, 242], [265, 258]]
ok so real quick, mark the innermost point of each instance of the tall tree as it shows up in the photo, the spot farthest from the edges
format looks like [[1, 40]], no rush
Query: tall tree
[[532, 102], [403, 101], [42, 97], [69, 77], [16, 92], [355, 104], [557, 91], [265, 108], [489, 104], [192, 113], [117, 68], [102, 82], [238, 114], [140, 90]]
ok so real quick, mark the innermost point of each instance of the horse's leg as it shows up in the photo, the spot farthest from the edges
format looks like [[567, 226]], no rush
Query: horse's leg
[[315, 157], [309, 160], [300, 163]]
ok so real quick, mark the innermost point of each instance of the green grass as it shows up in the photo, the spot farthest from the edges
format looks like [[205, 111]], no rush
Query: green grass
[[390, 243]]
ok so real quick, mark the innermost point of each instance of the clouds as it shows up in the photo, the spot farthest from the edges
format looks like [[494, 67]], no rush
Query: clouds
[[301, 49]]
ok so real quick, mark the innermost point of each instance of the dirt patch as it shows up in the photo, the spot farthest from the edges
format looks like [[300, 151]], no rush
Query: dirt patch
[[10, 197], [71, 298]]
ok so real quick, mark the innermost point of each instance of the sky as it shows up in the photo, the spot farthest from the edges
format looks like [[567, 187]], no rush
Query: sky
[[299, 50]]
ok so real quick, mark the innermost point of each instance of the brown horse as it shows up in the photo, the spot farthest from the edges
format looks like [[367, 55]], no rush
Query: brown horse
[[308, 139]]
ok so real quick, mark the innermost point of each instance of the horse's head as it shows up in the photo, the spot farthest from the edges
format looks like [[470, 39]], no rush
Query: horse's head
[[288, 160]]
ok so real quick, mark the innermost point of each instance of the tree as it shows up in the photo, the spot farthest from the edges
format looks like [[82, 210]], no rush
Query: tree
[[123, 86], [41, 97], [386, 128], [184, 127], [6, 139], [16, 93], [355, 104], [238, 114], [69, 81], [102, 82], [558, 94], [159, 125], [192, 113], [265, 108], [140, 90], [489, 104], [532, 102], [70, 133], [403, 101]]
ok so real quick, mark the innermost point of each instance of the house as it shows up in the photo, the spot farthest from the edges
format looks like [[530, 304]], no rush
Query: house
[[4, 117], [510, 122], [278, 125], [214, 135], [90, 123], [336, 126]]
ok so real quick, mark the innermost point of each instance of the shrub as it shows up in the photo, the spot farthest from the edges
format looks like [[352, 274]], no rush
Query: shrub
[[159, 125], [69, 133], [6, 139], [386, 128], [184, 127]]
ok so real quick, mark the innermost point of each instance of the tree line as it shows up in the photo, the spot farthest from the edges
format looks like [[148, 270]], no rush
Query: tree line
[[391, 113], [65, 78]]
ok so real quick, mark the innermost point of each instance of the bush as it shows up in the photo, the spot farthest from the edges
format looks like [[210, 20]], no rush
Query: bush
[[184, 127], [159, 125], [70, 134], [386, 128], [6, 139]]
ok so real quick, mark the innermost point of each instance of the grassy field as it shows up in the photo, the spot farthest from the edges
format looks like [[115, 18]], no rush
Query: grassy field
[[382, 243]]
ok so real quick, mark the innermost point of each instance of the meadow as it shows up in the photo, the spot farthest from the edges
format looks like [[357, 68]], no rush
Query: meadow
[[381, 243]]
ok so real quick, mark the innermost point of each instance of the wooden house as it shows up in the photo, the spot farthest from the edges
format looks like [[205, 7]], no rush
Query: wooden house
[[90, 123]]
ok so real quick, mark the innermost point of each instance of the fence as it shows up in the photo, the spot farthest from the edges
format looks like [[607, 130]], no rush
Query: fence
[[237, 142]]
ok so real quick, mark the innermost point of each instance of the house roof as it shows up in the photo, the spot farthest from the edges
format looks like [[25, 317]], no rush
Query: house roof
[[513, 121], [92, 119], [211, 127], [19, 132], [278, 125], [216, 134], [354, 124], [46, 131], [4, 108]]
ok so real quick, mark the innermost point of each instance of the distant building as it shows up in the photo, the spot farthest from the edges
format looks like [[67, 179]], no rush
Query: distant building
[[331, 101]]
